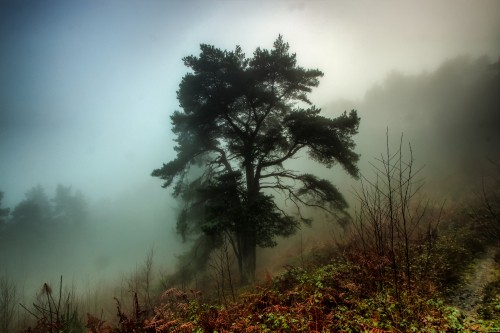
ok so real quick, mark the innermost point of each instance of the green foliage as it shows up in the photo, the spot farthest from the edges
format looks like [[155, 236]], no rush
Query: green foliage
[[464, 236], [329, 298], [490, 306]]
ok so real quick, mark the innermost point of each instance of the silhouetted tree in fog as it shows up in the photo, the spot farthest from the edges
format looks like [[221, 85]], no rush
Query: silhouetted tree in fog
[[26, 212], [69, 208], [35, 210], [241, 120], [4, 212]]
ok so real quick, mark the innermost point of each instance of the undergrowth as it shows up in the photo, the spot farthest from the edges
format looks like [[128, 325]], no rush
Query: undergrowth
[[348, 289], [330, 298], [390, 275]]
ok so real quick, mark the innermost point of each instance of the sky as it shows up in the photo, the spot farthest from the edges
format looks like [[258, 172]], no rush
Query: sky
[[87, 87]]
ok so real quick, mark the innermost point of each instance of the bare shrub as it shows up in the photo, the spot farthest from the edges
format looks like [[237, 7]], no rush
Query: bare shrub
[[221, 265], [9, 298], [59, 314], [141, 281], [394, 236]]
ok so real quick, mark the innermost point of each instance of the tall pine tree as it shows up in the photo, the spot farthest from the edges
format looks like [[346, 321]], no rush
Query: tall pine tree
[[241, 119]]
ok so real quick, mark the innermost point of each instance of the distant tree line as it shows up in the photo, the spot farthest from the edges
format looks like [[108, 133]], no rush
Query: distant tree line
[[38, 211]]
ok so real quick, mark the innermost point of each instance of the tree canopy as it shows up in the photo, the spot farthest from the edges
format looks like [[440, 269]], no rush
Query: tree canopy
[[241, 119], [69, 207], [35, 210]]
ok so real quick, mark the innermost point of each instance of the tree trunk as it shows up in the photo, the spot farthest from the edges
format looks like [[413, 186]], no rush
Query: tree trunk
[[246, 234], [247, 245]]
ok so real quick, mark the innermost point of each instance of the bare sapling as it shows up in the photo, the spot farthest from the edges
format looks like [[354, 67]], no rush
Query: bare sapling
[[221, 265], [391, 219], [9, 297]]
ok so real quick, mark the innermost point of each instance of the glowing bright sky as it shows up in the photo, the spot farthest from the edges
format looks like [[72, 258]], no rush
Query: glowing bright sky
[[87, 87]]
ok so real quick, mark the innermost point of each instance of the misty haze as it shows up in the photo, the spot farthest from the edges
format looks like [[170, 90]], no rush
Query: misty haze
[[177, 153]]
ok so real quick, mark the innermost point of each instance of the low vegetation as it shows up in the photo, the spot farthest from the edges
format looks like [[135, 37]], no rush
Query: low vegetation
[[331, 293], [403, 264], [403, 267]]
